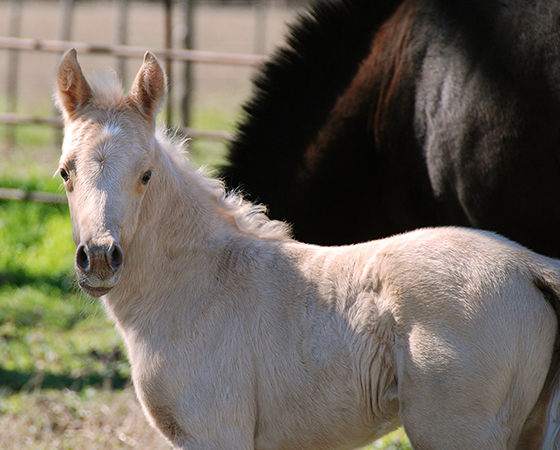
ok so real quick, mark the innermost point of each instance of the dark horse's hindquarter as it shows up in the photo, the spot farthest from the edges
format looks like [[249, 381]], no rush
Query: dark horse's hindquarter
[[488, 117]]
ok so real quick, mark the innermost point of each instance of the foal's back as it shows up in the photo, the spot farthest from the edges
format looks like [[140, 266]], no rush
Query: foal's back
[[445, 330]]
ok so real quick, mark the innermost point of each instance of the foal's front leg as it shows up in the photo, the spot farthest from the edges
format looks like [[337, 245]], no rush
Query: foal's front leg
[[208, 433], [202, 409], [203, 428]]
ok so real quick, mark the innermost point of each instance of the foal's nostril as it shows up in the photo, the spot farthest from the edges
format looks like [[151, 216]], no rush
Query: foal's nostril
[[82, 258], [116, 257], [99, 259]]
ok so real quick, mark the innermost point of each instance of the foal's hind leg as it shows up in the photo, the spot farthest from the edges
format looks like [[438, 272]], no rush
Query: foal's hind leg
[[471, 395], [465, 420]]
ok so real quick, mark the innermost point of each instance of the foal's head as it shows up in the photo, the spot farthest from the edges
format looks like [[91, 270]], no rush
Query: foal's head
[[106, 163]]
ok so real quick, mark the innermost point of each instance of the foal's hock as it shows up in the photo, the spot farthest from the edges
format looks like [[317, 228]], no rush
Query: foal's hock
[[241, 338]]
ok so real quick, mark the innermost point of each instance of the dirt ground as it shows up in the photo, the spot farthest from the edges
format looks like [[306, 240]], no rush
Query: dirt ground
[[64, 420], [219, 90], [217, 28]]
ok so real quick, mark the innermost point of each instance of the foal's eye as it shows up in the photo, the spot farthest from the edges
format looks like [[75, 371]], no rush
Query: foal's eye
[[146, 177], [64, 174]]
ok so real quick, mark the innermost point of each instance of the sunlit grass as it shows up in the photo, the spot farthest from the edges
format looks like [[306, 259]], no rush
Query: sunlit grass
[[37, 240], [45, 325], [394, 441]]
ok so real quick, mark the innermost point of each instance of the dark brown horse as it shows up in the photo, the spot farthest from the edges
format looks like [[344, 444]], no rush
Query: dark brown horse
[[381, 116]]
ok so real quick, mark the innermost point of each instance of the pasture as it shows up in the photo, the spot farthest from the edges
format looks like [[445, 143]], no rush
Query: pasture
[[63, 372]]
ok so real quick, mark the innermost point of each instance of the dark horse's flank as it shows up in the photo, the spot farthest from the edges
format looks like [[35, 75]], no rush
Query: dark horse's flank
[[380, 116]]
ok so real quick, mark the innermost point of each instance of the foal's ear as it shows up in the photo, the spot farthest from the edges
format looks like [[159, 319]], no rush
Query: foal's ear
[[148, 90], [72, 90]]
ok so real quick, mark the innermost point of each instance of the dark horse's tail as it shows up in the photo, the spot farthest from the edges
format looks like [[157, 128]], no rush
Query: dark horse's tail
[[297, 88]]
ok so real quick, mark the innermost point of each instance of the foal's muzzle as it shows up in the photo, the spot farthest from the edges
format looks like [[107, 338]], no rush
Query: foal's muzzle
[[98, 267]]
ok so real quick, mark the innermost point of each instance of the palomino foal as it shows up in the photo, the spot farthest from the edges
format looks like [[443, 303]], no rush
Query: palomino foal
[[241, 338]]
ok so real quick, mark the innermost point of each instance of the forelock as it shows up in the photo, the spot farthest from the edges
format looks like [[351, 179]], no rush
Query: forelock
[[107, 89]]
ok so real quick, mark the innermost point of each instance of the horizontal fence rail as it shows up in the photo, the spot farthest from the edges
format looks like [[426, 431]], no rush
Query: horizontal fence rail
[[200, 56], [34, 196], [22, 119]]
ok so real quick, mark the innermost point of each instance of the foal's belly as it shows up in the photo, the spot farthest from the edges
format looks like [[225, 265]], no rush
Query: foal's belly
[[336, 415], [329, 432]]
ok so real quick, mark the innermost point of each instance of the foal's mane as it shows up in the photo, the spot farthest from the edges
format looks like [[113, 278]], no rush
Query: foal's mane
[[249, 218]]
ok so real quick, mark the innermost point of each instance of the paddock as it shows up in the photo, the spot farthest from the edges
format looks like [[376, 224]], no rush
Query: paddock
[[229, 42]]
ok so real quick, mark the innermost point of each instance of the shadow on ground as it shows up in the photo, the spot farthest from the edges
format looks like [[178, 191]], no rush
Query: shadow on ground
[[17, 381]]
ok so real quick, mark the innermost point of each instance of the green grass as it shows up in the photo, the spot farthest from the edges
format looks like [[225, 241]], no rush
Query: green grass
[[63, 369], [45, 325]]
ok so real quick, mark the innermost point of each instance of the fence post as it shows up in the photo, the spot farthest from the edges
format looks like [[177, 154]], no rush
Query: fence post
[[188, 43], [64, 34], [121, 32], [12, 67], [259, 46], [65, 26], [168, 61]]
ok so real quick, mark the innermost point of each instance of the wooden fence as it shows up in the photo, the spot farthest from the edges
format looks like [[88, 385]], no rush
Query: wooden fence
[[14, 44], [169, 54]]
